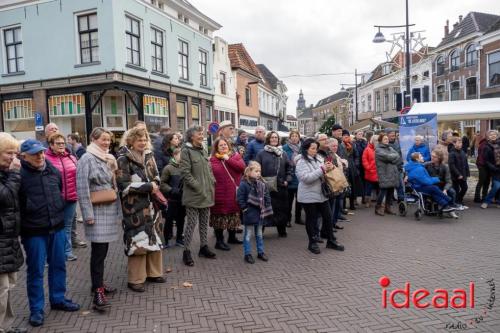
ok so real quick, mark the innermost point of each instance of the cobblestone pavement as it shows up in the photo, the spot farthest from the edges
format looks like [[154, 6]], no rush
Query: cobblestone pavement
[[297, 291]]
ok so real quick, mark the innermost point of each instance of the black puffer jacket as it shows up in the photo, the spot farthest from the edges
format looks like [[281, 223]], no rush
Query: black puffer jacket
[[40, 200], [459, 166], [11, 256]]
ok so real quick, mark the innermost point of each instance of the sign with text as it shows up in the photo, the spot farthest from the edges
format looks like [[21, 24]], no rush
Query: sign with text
[[38, 121], [412, 125]]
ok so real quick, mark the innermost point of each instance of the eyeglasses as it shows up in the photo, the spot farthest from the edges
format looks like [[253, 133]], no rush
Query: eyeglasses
[[60, 143]]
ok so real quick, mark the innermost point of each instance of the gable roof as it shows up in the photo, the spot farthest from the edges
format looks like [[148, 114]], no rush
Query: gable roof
[[494, 27], [306, 113], [474, 22], [332, 98], [240, 59], [268, 76]]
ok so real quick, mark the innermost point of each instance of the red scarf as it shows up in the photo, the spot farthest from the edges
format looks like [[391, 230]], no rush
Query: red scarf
[[347, 142]]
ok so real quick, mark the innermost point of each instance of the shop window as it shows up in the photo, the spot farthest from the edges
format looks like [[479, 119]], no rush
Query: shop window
[[155, 112], [181, 116], [68, 112], [114, 112], [18, 118], [195, 114]]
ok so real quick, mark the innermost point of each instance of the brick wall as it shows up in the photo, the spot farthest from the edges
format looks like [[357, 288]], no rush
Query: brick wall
[[485, 90]]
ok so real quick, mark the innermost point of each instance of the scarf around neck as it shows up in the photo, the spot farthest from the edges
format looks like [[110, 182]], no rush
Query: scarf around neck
[[257, 195], [295, 151], [347, 143], [221, 156], [278, 150], [103, 156]]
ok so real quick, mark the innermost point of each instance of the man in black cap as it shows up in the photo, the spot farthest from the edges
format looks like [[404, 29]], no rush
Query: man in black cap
[[337, 134]]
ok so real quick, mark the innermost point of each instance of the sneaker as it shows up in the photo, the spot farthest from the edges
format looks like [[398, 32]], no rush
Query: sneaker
[[334, 245], [179, 243], [67, 305], [78, 244], [137, 287], [71, 257], [100, 300], [262, 256], [465, 207], [36, 319], [484, 205], [249, 259], [447, 209], [157, 279]]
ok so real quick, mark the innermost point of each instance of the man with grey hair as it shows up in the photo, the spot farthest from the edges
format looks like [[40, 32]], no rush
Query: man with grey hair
[[419, 147], [256, 145], [198, 192], [323, 144]]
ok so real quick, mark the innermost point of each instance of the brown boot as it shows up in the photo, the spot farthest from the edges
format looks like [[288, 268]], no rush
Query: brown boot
[[388, 210], [379, 210]]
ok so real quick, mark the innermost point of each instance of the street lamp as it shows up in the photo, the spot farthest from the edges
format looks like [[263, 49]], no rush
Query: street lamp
[[379, 38]]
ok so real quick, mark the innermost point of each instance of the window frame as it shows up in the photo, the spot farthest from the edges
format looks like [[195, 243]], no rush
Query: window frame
[[14, 44], [451, 90], [130, 35], [223, 83], [203, 67], [183, 68], [468, 55], [88, 32], [440, 65], [454, 56], [248, 96], [155, 45], [467, 88], [443, 93], [488, 64]]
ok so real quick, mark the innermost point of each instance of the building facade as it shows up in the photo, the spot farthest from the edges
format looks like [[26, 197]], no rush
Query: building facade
[[247, 78], [225, 106], [123, 60], [337, 105], [274, 89], [291, 122]]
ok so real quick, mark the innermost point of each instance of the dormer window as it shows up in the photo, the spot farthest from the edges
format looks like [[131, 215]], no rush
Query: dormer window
[[386, 69]]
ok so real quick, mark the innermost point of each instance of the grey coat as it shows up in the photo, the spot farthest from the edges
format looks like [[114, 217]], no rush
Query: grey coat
[[309, 174], [387, 160], [93, 174]]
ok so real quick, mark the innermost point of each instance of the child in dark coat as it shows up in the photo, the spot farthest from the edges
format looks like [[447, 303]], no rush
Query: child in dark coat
[[171, 188], [459, 169], [255, 202]]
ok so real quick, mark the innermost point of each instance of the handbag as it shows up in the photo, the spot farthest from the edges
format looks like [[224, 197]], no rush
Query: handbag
[[326, 190], [272, 181], [103, 197], [159, 200]]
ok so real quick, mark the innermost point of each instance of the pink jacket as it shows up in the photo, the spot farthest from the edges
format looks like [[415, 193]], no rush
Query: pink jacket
[[225, 189], [66, 164]]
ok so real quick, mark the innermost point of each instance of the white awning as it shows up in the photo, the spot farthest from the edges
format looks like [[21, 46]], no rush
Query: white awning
[[472, 109]]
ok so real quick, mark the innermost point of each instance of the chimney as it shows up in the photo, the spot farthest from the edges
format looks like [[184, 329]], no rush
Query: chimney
[[460, 17], [455, 25], [447, 28]]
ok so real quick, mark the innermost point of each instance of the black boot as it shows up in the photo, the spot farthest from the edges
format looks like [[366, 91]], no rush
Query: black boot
[[232, 238], [100, 301], [205, 252], [187, 259], [219, 236]]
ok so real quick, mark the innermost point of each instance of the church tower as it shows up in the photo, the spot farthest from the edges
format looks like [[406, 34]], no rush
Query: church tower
[[301, 102]]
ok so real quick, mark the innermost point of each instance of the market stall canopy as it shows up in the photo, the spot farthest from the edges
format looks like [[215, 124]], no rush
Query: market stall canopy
[[473, 109]]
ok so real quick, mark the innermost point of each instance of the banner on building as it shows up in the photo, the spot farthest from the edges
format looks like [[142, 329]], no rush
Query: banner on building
[[410, 126]]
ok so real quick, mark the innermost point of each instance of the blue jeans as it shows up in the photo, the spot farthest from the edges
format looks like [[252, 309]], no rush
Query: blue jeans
[[335, 205], [69, 216], [41, 249], [436, 194], [495, 187], [259, 240]]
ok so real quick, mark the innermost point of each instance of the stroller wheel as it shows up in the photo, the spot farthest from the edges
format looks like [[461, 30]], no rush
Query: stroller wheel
[[418, 215], [403, 208]]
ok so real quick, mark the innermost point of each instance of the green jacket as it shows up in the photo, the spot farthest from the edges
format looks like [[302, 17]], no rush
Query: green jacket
[[199, 181]]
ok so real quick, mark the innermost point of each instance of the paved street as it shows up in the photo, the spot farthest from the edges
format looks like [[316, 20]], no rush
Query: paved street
[[297, 291]]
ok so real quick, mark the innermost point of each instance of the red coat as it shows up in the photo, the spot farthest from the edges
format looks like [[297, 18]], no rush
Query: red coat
[[66, 165], [225, 189], [369, 165]]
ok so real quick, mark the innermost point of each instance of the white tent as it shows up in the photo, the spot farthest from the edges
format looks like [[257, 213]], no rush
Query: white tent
[[472, 109]]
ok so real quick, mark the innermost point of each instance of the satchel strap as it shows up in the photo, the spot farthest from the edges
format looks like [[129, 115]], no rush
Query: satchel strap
[[229, 174]]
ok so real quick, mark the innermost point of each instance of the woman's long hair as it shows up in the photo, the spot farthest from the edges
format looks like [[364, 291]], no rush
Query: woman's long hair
[[305, 147]]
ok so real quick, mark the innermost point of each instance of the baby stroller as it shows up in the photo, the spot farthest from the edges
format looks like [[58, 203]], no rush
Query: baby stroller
[[423, 203]]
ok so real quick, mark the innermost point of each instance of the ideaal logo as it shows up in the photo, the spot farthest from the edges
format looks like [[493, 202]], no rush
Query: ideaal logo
[[440, 299], [460, 298]]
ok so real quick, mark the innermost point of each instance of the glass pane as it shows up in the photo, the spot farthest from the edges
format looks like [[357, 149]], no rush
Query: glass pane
[[11, 52], [181, 109], [95, 54], [137, 60], [20, 64], [493, 57], [94, 38], [9, 36], [85, 55], [128, 24], [12, 66], [129, 42], [17, 35], [135, 43], [135, 27], [84, 40], [129, 55], [195, 111], [19, 50], [82, 20], [93, 21], [159, 37]]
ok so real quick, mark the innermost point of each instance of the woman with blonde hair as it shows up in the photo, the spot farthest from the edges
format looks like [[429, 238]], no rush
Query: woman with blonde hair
[[10, 248], [139, 182]]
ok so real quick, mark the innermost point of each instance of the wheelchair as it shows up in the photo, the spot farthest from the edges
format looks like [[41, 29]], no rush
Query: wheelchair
[[423, 203]]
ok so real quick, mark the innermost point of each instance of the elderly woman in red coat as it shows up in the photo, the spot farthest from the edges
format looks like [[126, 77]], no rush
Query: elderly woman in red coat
[[227, 167], [368, 160]]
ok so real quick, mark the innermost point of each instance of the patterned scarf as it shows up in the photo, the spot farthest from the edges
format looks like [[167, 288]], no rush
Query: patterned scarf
[[256, 197], [221, 156], [295, 151], [276, 150], [103, 155], [347, 142]]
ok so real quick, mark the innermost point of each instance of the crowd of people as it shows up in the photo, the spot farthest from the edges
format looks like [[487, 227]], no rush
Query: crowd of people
[[154, 183]]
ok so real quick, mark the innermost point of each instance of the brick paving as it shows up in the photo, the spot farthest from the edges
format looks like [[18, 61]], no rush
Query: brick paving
[[297, 291]]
